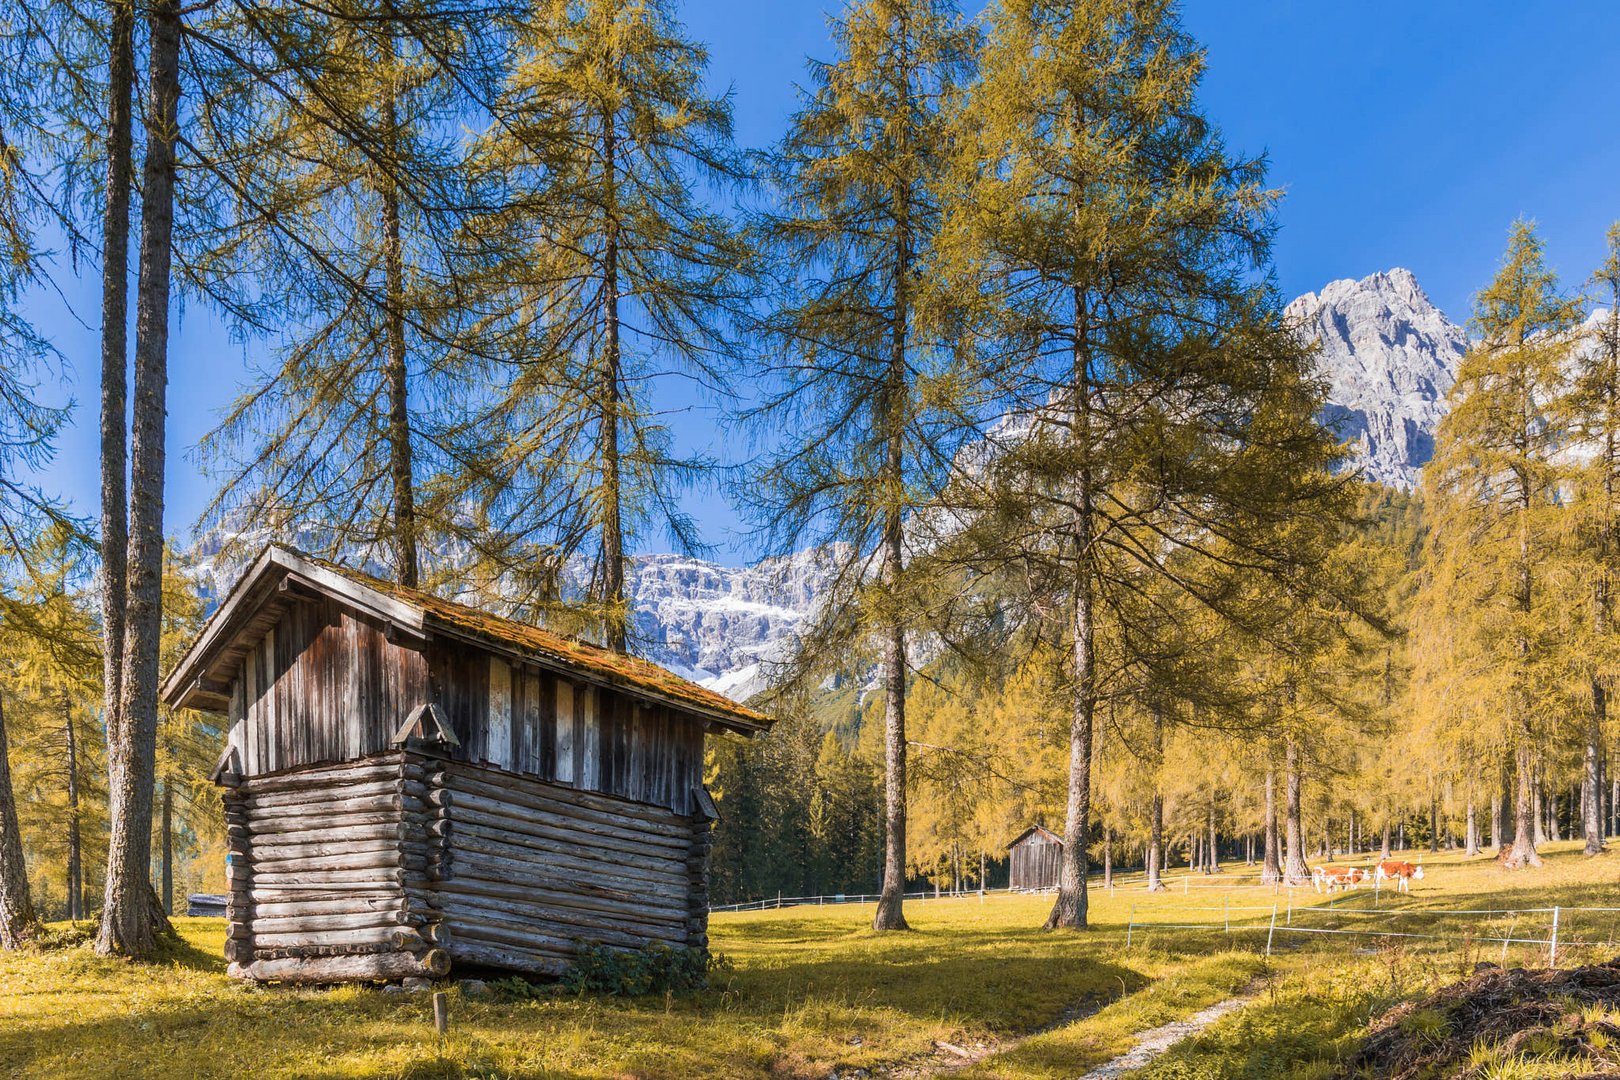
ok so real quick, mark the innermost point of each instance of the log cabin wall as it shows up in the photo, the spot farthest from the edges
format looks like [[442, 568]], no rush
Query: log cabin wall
[[331, 872], [534, 868]]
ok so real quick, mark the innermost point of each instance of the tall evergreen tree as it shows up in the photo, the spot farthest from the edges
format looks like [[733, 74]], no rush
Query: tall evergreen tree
[[1494, 484], [1115, 241], [604, 269], [869, 412]]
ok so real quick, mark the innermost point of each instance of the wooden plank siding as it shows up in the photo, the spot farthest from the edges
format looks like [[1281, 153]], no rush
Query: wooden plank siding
[[326, 685]]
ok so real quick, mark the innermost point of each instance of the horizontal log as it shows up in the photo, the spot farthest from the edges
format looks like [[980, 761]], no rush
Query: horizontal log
[[633, 874], [376, 905], [369, 967], [374, 876], [360, 860], [489, 954], [562, 923], [531, 871], [330, 803], [548, 825], [270, 849], [257, 893], [326, 795], [603, 802], [362, 771], [651, 911], [396, 937], [641, 817], [313, 823], [292, 923], [546, 821]]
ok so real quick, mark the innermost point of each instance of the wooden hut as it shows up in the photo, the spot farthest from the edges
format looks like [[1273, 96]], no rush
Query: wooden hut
[[412, 783], [1034, 860]]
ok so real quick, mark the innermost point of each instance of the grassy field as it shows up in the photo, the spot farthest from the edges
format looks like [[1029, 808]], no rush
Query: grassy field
[[811, 992]]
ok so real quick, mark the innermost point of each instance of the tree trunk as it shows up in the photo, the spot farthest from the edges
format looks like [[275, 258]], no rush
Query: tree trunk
[[1271, 872], [75, 866], [617, 628], [1070, 910], [1523, 852], [115, 360], [127, 925], [1384, 852], [18, 922], [1498, 837], [892, 422], [1213, 856], [1434, 823], [397, 370], [1472, 848], [168, 848], [1295, 870], [1155, 851], [1108, 857]]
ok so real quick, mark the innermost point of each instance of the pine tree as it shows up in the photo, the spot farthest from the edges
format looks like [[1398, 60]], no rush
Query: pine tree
[[603, 269], [1494, 487], [1113, 239], [869, 399]]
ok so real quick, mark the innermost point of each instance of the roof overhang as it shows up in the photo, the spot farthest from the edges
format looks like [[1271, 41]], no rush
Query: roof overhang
[[280, 577]]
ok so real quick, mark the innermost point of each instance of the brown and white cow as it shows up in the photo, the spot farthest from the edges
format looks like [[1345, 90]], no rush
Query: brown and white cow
[[1329, 878], [1402, 873]]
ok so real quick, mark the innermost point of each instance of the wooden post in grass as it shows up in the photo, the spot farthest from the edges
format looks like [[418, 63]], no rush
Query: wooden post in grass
[[1552, 945], [441, 1012], [1271, 933]]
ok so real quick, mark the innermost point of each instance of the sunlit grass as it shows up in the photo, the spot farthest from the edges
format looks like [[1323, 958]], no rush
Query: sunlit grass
[[812, 990]]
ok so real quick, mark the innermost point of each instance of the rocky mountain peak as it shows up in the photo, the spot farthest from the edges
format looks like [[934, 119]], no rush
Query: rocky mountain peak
[[1390, 356]]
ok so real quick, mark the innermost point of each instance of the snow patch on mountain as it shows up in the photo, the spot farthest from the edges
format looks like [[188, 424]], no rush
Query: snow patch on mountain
[[1389, 356]]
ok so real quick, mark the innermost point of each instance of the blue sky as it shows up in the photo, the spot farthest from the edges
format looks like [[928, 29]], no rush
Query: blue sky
[[1402, 134]]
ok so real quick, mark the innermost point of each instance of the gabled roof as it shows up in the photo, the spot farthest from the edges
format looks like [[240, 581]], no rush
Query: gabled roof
[[280, 575], [1046, 834]]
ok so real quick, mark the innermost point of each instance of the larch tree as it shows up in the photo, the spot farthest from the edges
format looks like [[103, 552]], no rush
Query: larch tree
[[868, 414], [129, 918], [1115, 242], [610, 278], [1590, 414], [1494, 488], [345, 222]]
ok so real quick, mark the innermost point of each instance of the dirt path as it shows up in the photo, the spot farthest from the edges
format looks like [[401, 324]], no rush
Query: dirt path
[[1150, 1044]]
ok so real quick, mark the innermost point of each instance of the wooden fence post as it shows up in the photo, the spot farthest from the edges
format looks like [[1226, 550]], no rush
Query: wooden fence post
[[1552, 945], [1130, 924], [441, 1012], [1271, 933]]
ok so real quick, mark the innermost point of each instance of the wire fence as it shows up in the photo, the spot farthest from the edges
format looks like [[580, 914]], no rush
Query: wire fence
[[1409, 920], [1419, 923]]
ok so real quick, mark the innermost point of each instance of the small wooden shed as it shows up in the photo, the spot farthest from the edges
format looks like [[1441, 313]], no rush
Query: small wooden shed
[[1034, 860], [412, 783]]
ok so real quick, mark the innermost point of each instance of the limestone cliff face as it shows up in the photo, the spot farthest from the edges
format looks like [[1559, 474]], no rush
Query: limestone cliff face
[[1390, 357]]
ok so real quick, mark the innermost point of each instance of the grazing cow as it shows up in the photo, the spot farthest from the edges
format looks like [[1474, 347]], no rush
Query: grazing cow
[[1402, 873], [1336, 877]]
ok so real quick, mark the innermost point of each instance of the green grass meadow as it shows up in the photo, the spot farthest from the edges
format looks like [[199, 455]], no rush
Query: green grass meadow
[[976, 989]]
